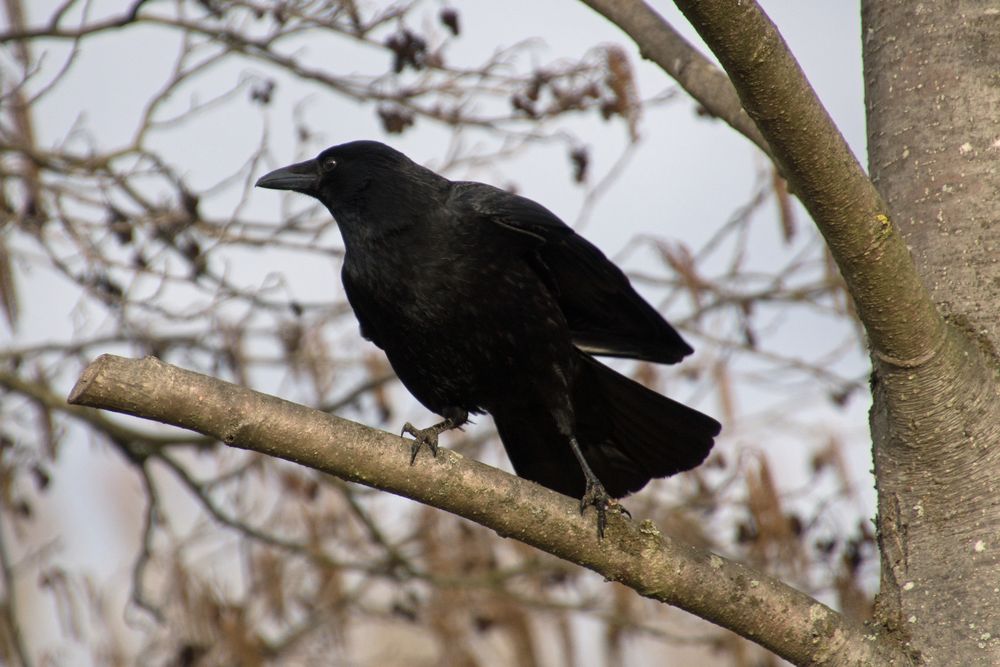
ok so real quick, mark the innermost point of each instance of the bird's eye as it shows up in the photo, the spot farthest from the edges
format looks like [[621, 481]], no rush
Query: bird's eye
[[328, 164]]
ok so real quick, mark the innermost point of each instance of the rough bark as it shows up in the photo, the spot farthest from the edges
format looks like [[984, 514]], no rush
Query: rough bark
[[932, 77], [756, 606], [932, 80]]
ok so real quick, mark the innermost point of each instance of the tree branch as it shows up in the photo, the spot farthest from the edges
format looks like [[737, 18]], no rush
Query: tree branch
[[903, 326], [10, 610], [40, 393], [763, 609], [696, 74]]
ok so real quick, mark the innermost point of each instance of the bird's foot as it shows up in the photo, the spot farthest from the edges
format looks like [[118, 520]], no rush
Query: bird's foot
[[426, 436], [595, 496], [421, 437]]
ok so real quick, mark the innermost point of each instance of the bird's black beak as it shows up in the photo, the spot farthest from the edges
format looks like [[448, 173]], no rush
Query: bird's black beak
[[300, 177]]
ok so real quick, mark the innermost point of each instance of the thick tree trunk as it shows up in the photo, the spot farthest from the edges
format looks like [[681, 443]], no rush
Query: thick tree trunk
[[932, 80], [932, 77]]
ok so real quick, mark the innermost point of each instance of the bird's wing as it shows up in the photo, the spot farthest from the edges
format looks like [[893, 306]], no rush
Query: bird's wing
[[605, 314]]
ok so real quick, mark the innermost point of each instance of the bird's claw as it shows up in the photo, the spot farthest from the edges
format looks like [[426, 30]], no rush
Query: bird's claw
[[421, 437], [596, 497]]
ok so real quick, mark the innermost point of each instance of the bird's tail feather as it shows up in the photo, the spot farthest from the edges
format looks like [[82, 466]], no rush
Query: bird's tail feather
[[633, 432], [629, 434]]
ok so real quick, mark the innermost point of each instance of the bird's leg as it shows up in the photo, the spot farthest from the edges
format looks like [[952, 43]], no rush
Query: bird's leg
[[594, 494], [429, 436]]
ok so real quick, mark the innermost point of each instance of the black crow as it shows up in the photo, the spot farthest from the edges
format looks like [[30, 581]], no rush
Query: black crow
[[484, 301]]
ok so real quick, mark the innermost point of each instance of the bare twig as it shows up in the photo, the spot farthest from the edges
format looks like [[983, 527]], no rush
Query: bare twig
[[9, 611], [659, 42]]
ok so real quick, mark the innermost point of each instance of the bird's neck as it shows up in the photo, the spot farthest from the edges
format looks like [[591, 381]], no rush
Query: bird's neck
[[392, 208]]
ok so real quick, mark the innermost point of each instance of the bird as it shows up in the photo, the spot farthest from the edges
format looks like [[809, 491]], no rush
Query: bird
[[484, 301]]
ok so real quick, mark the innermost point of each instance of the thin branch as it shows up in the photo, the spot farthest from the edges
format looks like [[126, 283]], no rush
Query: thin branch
[[903, 326], [752, 604], [696, 74], [47, 399], [10, 611], [150, 519]]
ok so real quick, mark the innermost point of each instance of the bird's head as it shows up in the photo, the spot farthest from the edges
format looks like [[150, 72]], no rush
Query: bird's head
[[341, 174]]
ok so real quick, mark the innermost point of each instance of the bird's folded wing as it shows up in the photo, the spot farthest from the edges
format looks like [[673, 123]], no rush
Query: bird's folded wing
[[605, 314]]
